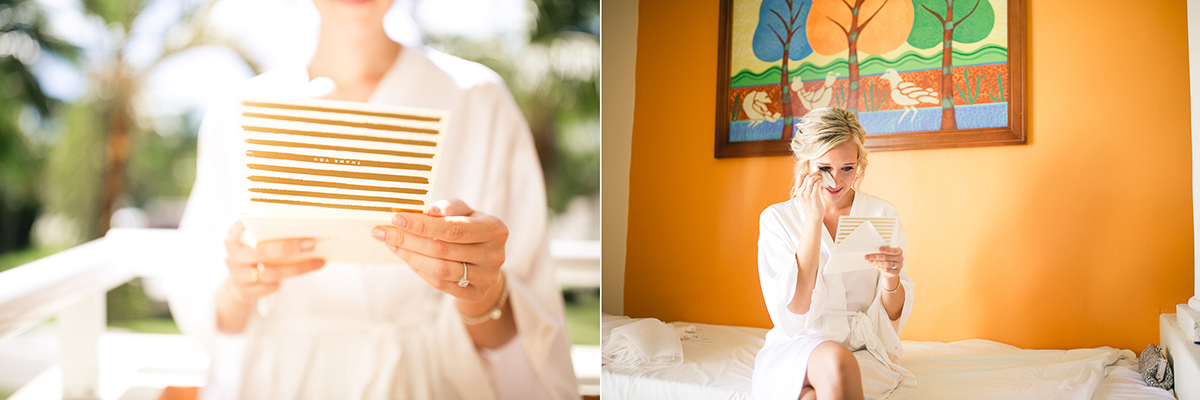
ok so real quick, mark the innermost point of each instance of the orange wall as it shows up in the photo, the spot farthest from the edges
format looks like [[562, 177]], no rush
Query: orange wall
[[1080, 238]]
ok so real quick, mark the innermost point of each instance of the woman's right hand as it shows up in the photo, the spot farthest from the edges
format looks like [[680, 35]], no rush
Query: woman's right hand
[[256, 271], [810, 196]]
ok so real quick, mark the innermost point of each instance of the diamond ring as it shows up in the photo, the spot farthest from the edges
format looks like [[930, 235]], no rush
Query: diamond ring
[[464, 282]]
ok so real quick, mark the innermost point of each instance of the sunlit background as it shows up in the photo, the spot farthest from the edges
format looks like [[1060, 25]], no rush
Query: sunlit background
[[101, 100]]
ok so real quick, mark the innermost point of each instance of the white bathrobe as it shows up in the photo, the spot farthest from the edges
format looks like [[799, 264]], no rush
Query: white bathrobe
[[846, 308], [378, 332]]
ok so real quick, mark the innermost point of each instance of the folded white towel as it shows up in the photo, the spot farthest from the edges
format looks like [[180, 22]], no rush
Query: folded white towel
[[645, 342]]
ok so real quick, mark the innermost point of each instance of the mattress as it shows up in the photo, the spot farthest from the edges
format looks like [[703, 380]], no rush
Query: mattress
[[971, 369]]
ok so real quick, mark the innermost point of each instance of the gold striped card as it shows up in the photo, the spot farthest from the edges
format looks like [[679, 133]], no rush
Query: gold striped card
[[335, 158], [886, 226]]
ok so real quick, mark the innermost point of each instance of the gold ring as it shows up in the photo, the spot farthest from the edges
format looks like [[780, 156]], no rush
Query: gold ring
[[254, 273]]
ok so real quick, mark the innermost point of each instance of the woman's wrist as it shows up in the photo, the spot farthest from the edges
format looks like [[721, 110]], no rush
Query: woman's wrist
[[490, 301], [891, 284]]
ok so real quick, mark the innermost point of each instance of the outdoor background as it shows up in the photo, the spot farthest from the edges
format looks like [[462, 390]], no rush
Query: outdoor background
[[100, 102]]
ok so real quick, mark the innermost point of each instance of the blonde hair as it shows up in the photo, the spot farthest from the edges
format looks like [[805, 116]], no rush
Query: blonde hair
[[823, 129]]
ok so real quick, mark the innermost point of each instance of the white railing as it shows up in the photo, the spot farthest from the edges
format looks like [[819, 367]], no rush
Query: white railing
[[71, 285]]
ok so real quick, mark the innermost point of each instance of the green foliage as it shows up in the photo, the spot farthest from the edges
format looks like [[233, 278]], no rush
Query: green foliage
[[737, 102], [556, 83], [871, 65], [163, 163], [128, 302], [23, 105], [557, 16], [75, 169], [974, 20], [999, 89], [148, 325], [874, 100], [15, 259], [972, 93], [839, 98], [121, 12], [583, 316]]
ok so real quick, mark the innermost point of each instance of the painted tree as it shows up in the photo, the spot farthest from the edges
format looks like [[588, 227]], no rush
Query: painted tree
[[780, 35], [936, 23], [839, 25]]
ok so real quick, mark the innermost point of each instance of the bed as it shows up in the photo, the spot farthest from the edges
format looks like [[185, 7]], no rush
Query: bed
[[971, 369]]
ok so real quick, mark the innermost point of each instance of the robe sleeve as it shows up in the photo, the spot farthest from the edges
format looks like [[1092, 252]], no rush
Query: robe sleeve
[[905, 281], [210, 212], [517, 196], [887, 329], [777, 273]]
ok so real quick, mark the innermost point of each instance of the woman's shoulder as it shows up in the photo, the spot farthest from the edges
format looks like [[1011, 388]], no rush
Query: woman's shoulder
[[783, 213], [467, 75], [869, 205], [781, 208]]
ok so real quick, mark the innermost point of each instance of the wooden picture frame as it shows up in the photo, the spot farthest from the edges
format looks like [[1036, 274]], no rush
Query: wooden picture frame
[[987, 79]]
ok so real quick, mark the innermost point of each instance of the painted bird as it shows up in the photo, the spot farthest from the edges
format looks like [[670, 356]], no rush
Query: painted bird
[[817, 98], [908, 94], [756, 108]]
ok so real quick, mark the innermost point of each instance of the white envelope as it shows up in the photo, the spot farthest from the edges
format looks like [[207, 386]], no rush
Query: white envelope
[[337, 239], [850, 254]]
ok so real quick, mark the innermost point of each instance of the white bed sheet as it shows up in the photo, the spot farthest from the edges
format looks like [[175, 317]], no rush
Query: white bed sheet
[[972, 369]]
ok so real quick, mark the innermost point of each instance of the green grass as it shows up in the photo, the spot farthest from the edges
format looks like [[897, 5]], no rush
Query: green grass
[[21, 257], [583, 320], [147, 325]]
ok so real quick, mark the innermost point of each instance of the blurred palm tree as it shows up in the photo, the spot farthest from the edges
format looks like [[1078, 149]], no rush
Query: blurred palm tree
[[102, 131], [23, 39]]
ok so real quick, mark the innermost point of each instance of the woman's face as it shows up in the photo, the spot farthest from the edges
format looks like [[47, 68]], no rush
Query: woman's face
[[841, 162], [352, 13]]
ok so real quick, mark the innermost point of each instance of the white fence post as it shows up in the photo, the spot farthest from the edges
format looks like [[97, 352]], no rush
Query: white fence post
[[79, 329]]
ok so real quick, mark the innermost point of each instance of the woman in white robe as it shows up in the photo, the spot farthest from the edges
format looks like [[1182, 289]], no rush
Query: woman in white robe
[[296, 328], [835, 335]]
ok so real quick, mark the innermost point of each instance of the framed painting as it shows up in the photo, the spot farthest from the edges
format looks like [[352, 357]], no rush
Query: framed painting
[[918, 74]]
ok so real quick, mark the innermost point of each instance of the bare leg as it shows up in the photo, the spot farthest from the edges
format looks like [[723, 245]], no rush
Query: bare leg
[[808, 393], [833, 373]]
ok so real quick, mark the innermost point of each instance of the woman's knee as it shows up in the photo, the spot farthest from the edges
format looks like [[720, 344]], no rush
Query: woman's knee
[[836, 357]]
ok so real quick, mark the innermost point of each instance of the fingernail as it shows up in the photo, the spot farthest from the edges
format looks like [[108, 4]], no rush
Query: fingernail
[[400, 221], [440, 210], [379, 234], [319, 264], [392, 248], [307, 244]]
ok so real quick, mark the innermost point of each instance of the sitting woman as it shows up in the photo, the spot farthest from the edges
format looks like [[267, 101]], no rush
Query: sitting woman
[[836, 335]]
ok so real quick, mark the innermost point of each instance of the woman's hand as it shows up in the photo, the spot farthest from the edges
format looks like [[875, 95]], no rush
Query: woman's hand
[[889, 261], [447, 241], [257, 271], [810, 195]]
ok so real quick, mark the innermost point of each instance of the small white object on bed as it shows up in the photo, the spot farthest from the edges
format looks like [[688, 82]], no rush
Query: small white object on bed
[[971, 369]]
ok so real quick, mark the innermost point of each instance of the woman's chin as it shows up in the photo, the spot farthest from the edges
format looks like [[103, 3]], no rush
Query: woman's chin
[[833, 196]]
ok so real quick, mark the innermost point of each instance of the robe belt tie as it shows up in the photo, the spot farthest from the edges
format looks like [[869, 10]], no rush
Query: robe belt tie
[[862, 335]]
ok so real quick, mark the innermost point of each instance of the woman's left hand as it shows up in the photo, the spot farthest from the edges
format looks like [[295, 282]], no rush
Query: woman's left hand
[[446, 241], [889, 260]]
